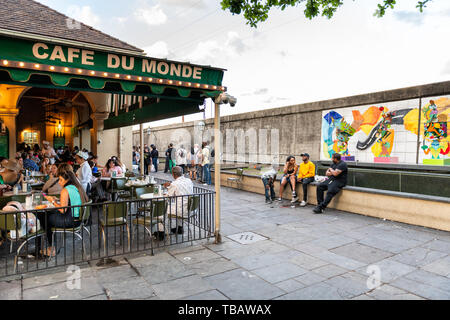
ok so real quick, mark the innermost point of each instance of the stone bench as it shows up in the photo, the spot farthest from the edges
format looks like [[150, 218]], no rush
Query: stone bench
[[415, 209]]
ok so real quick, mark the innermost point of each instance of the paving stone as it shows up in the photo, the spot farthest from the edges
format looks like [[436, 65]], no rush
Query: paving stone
[[383, 244], [362, 253], [319, 291], [212, 267], [290, 285], [186, 249], [263, 260], [162, 271], [338, 260], [197, 256], [114, 274], [329, 271], [279, 272], [419, 256], [432, 279], [10, 290], [55, 277], [349, 285], [98, 297], [423, 290], [387, 292], [132, 288], [389, 270], [208, 295], [180, 288], [242, 285], [438, 245], [60, 291], [310, 278], [332, 241], [441, 267], [307, 262]]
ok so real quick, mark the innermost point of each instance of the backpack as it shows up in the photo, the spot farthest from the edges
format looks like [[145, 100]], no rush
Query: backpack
[[181, 153], [213, 153]]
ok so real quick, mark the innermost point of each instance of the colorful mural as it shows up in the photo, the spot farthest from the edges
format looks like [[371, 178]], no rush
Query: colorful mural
[[388, 133]]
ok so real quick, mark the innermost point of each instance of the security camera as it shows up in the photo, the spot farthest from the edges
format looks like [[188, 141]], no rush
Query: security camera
[[225, 98]]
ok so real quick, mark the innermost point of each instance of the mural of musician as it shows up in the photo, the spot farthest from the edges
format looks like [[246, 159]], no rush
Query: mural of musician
[[388, 134]]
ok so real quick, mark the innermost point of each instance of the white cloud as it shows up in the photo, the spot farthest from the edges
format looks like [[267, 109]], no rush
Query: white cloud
[[152, 16], [446, 70], [185, 3], [84, 14], [215, 52], [157, 50]]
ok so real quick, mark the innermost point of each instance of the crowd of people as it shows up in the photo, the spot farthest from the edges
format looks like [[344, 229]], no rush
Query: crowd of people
[[304, 174], [196, 162]]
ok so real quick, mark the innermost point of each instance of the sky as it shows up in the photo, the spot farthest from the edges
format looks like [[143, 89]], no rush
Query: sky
[[288, 59]]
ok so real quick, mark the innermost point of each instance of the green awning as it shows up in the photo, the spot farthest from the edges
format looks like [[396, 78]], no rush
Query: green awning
[[62, 81], [152, 111]]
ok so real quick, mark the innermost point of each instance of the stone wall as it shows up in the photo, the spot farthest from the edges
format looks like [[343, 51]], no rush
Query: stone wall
[[257, 136]]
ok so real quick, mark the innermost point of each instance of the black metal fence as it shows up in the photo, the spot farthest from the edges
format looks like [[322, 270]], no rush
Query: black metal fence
[[103, 230]]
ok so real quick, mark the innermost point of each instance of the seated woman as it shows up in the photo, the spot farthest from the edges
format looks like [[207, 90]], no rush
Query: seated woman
[[111, 166], [52, 186], [72, 194], [290, 176]]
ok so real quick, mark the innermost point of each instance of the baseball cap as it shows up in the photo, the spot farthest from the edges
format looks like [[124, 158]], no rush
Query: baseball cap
[[304, 154]]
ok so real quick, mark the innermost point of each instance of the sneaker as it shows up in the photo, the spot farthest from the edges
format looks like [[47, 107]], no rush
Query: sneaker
[[279, 199], [268, 201], [294, 198], [318, 210], [303, 204]]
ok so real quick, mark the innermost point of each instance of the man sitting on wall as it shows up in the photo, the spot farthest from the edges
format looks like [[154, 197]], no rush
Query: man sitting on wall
[[306, 175], [337, 179]]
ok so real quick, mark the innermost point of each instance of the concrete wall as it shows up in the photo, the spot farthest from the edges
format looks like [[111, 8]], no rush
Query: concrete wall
[[411, 210], [298, 126]]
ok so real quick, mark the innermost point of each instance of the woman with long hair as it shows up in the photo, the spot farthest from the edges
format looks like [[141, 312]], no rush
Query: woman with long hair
[[72, 194], [111, 166], [289, 176]]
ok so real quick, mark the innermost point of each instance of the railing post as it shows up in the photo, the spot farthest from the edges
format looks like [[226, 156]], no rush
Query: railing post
[[217, 171]]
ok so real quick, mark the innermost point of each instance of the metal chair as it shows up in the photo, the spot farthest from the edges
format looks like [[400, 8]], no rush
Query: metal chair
[[153, 214], [77, 231], [238, 179], [193, 211], [118, 189], [114, 215], [10, 221]]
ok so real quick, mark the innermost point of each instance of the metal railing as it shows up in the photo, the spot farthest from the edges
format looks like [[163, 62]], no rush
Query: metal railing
[[103, 230]]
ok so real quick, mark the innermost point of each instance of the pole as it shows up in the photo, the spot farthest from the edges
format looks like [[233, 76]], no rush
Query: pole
[[141, 136], [217, 170]]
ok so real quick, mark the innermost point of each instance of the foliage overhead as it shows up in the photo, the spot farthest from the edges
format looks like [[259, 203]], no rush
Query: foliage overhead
[[256, 11]]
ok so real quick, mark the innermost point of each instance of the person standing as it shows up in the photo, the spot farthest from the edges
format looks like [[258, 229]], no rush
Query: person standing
[[206, 160], [337, 179], [84, 173], [268, 178], [170, 157], [154, 154], [306, 175], [49, 152], [146, 158], [181, 158]]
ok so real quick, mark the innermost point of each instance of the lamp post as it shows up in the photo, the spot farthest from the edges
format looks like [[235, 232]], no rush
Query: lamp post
[[223, 98]]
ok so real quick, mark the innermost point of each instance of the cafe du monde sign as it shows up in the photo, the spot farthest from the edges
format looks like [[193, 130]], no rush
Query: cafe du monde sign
[[59, 55]]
